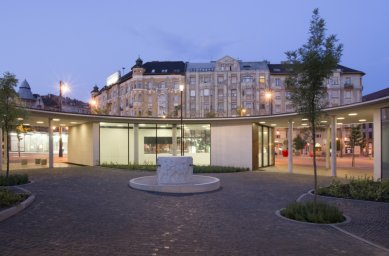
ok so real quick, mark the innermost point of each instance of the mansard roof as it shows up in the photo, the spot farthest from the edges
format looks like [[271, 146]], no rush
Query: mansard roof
[[253, 65], [163, 68], [279, 69], [200, 67]]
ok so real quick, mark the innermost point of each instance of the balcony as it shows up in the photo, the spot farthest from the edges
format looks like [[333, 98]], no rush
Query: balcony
[[348, 85]]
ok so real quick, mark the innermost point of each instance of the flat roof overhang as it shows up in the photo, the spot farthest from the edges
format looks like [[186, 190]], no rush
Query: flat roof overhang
[[363, 110]]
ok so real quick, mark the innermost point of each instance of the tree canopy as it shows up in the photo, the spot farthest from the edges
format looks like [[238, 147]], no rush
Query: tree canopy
[[308, 67]]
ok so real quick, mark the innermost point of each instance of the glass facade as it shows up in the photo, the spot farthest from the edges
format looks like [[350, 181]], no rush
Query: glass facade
[[123, 143], [384, 143], [265, 146], [37, 142]]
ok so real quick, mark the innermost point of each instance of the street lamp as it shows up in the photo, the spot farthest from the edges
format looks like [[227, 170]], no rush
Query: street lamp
[[62, 89], [243, 112], [93, 106], [269, 96], [182, 127]]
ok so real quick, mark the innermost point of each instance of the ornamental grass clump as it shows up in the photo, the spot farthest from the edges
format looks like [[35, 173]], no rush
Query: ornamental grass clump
[[361, 189], [9, 198], [196, 168], [318, 212], [13, 179]]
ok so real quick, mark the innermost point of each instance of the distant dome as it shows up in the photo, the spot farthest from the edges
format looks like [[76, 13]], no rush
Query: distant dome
[[25, 91]]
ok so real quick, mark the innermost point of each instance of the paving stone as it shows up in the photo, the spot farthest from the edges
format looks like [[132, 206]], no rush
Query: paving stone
[[92, 211]]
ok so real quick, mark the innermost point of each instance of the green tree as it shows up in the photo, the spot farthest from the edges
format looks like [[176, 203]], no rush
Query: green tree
[[299, 143], [9, 111], [308, 68], [356, 139]]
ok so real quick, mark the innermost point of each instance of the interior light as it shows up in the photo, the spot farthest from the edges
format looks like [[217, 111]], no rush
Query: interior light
[[362, 120], [263, 122], [352, 114], [40, 122], [304, 119], [20, 119], [56, 119], [73, 122], [340, 118]]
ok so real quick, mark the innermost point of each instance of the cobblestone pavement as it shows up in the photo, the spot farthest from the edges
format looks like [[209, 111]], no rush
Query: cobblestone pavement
[[92, 211]]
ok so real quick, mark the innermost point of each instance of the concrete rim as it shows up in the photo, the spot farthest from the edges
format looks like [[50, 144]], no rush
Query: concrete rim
[[347, 220], [9, 212], [199, 184]]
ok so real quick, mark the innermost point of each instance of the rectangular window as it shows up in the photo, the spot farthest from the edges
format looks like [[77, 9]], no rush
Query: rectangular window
[[347, 94], [262, 79], [347, 80], [233, 93], [192, 80], [206, 92], [192, 93], [278, 81], [233, 79]]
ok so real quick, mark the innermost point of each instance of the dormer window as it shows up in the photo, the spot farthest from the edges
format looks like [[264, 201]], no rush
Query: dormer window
[[153, 71]]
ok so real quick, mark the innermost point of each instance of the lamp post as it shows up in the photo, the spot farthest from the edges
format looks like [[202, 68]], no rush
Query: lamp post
[[269, 96], [182, 127], [60, 151], [62, 88]]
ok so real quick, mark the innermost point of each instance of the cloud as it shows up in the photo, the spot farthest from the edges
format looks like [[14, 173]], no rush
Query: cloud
[[175, 46]]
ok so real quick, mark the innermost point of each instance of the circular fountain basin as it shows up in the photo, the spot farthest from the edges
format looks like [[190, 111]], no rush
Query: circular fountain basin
[[196, 184]]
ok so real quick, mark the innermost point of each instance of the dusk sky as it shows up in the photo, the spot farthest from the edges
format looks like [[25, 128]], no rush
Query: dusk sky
[[84, 41]]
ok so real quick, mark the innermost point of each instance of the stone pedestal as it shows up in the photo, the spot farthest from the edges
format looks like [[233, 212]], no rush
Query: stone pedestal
[[175, 175], [174, 169]]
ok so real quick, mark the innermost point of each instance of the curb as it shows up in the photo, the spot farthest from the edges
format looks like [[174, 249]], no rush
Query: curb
[[9, 212], [347, 220]]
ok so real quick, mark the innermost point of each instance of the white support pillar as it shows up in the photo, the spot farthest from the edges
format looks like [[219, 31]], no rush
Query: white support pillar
[[377, 144], [1, 149], [333, 145], [136, 143], [51, 145], [174, 139], [328, 142], [290, 146]]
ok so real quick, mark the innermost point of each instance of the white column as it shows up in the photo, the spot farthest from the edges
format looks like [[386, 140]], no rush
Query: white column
[[333, 145], [136, 143], [1, 149], [95, 144], [290, 146], [377, 144], [174, 139], [328, 139], [51, 145]]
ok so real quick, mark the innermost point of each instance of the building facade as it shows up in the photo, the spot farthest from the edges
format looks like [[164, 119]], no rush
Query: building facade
[[227, 87], [149, 90]]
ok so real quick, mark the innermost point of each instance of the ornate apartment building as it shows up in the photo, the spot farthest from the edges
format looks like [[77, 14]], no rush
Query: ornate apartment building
[[227, 87], [223, 88], [149, 89]]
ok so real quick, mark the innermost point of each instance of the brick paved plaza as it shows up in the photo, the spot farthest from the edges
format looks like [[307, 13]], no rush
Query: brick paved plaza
[[92, 211]]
